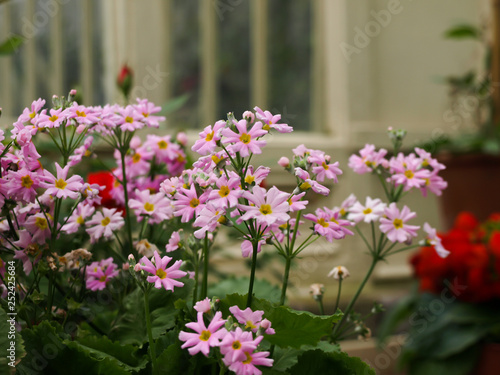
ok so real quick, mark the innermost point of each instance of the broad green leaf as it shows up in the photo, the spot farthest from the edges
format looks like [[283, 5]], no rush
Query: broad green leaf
[[297, 328], [463, 32], [319, 362], [130, 327], [460, 364], [395, 317], [127, 354], [174, 104], [173, 360], [262, 288], [11, 45]]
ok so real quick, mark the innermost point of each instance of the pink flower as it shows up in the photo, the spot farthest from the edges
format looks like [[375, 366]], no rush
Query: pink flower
[[173, 242], [39, 227], [187, 203], [247, 367], [251, 319], [57, 116], [368, 160], [329, 225], [163, 276], [245, 142], [296, 203], [203, 306], [100, 273], [394, 224], [228, 191], [210, 218], [22, 184], [324, 169], [209, 138], [205, 337], [154, 206], [235, 343], [309, 183], [247, 247], [104, 224], [77, 218], [407, 172], [434, 183], [130, 119], [267, 207], [147, 110], [83, 115], [61, 187], [435, 241], [272, 121], [31, 114], [256, 177], [371, 211], [346, 205]]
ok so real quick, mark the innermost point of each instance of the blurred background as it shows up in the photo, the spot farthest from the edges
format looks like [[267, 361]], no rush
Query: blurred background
[[339, 71]]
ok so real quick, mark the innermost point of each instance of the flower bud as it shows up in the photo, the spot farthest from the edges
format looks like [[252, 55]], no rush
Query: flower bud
[[182, 138], [249, 116], [124, 80], [284, 162]]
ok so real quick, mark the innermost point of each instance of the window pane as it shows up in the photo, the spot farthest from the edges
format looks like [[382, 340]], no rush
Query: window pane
[[290, 61]]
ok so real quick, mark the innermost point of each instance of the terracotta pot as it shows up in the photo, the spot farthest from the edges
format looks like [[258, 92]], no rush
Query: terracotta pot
[[473, 185], [489, 361]]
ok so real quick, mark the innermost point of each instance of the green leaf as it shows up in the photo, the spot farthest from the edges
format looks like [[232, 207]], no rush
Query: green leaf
[[130, 327], [319, 362], [262, 288], [173, 360], [126, 354], [399, 313], [293, 328], [460, 364], [10, 340], [11, 45], [297, 328], [174, 104], [463, 32]]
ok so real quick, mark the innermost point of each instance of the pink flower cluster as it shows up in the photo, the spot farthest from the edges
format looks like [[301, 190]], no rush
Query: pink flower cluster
[[161, 275], [238, 345], [99, 274], [416, 170]]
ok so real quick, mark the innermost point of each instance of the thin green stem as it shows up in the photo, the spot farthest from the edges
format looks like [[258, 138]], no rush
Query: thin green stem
[[252, 272], [347, 311], [150, 332], [320, 306], [125, 192], [204, 282], [364, 239], [288, 263], [338, 295]]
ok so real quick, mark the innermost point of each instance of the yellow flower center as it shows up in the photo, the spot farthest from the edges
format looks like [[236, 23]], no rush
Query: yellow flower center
[[53, 118], [250, 325], [245, 138], [26, 181], [32, 115], [61, 184], [149, 207], [398, 223], [305, 186], [224, 191], [161, 273], [80, 220], [209, 137], [236, 345], [425, 163], [162, 145], [325, 166], [265, 209], [266, 127], [136, 158], [409, 174], [102, 279], [81, 114], [323, 223], [41, 223], [205, 335], [248, 359], [129, 119], [145, 114], [222, 220], [216, 159], [367, 211], [105, 221], [249, 179], [194, 203]]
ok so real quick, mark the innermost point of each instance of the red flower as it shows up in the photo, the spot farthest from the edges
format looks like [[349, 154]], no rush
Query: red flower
[[474, 260], [107, 180]]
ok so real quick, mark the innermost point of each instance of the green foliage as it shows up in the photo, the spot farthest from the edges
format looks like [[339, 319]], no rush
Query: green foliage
[[463, 31], [319, 362], [443, 335], [130, 327], [11, 45], [262, 288]]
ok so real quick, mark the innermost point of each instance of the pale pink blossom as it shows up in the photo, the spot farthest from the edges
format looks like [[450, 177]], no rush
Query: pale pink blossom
[[245, 141], [205, 337], [394, 224], [163, 276]]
